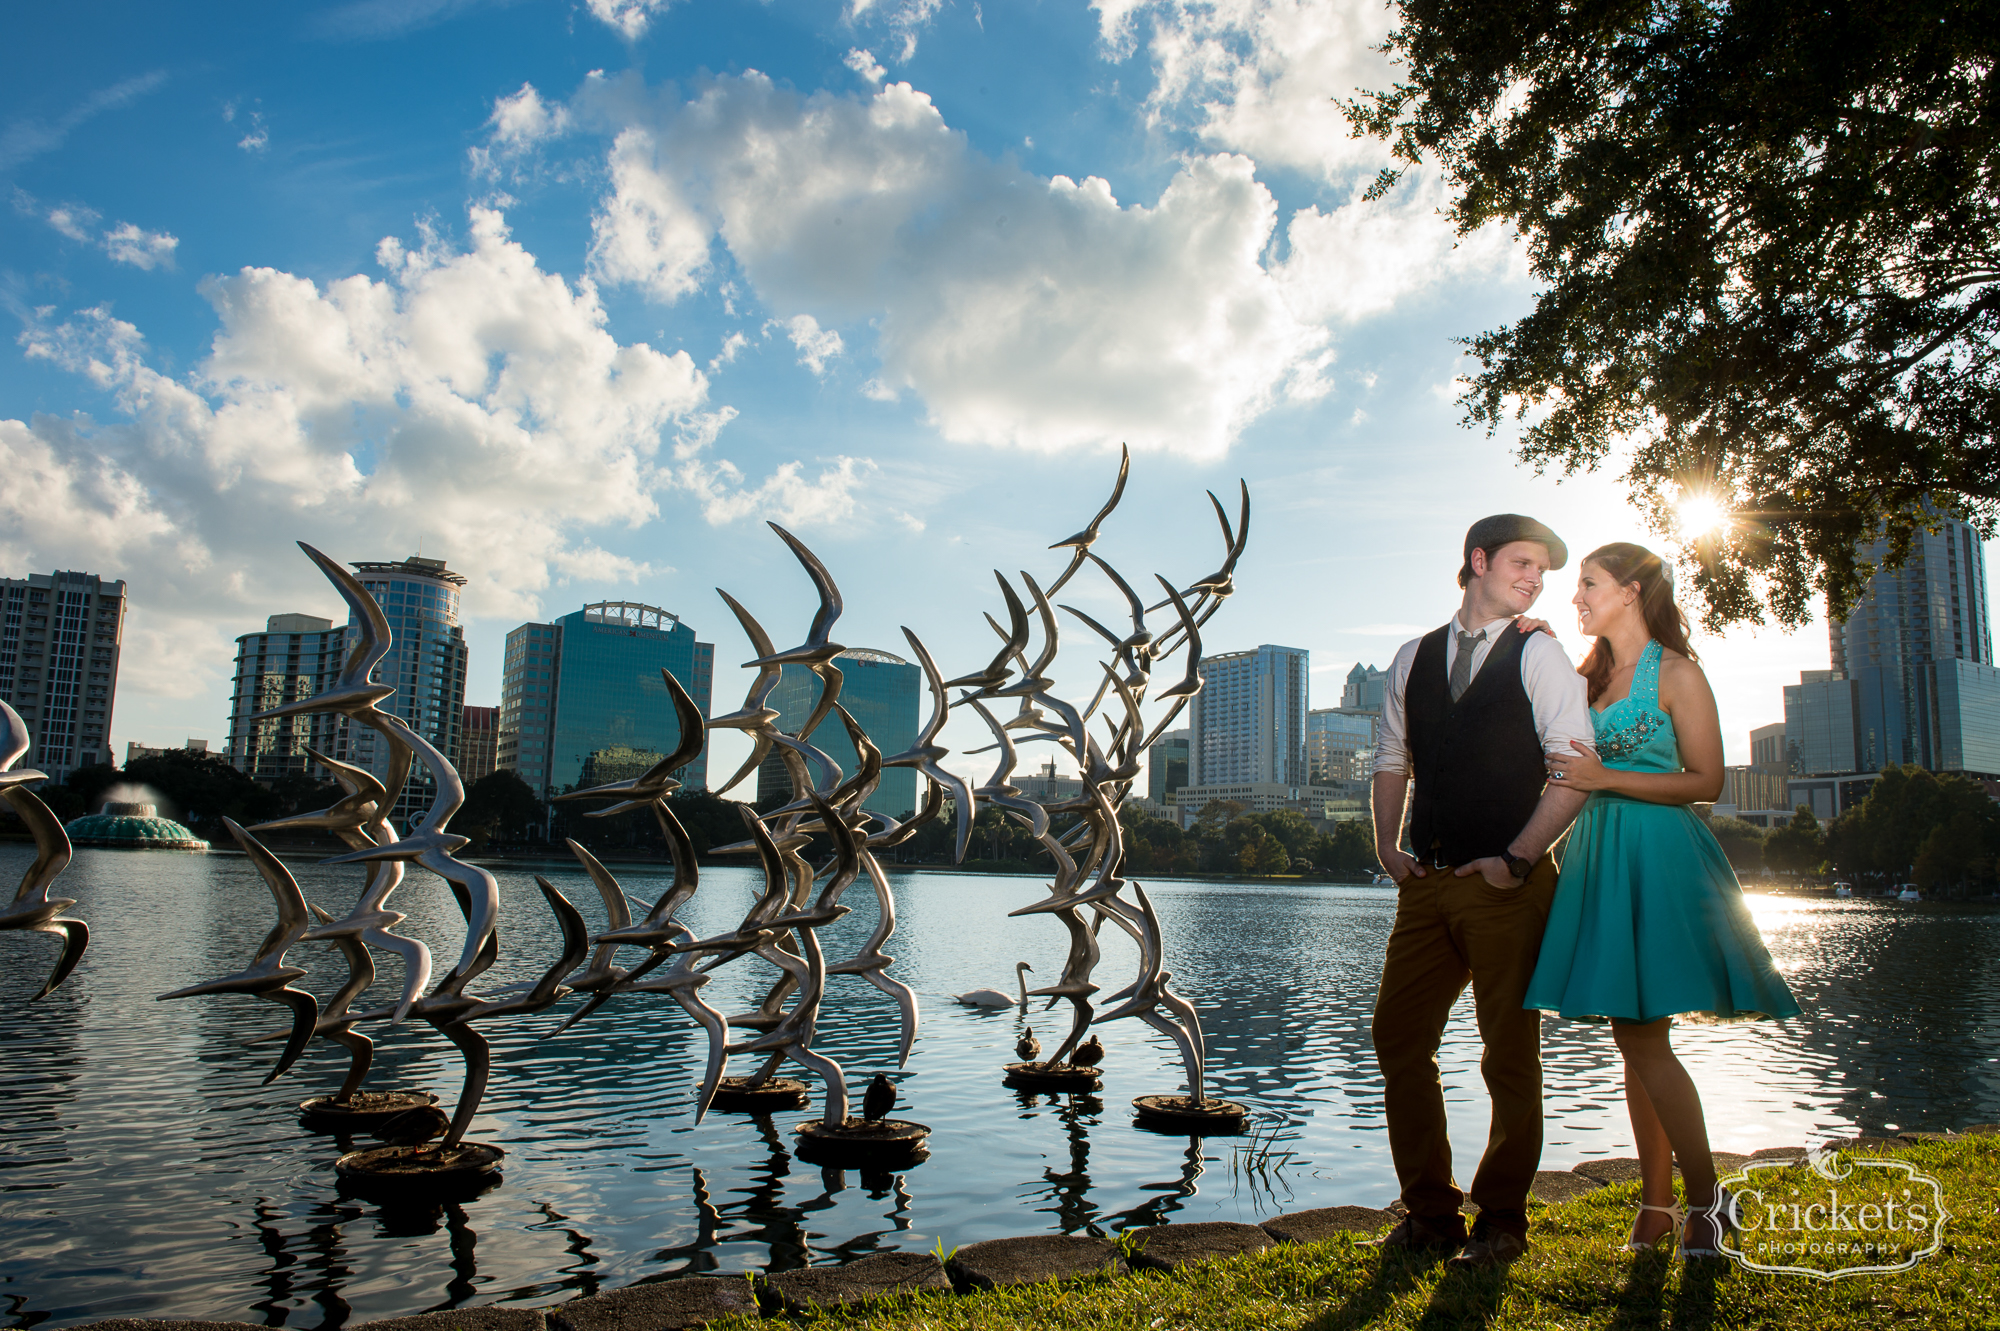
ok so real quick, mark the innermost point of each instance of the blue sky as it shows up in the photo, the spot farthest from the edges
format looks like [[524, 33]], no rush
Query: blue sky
[[578, 295]]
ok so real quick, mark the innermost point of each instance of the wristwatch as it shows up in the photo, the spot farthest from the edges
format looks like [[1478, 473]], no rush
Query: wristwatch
[[1520, 866]]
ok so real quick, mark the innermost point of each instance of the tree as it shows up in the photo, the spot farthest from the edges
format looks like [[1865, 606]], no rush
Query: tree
[[1795, 847], [1769, 244], [1953, 852], [499, 806], [1742, 842], [200, 789]]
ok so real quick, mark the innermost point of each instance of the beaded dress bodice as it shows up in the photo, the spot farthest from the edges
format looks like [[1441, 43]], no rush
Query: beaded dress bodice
[[1633, 734]]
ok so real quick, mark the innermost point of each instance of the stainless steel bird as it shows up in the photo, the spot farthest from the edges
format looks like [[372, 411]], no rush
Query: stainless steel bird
[[33, 908]]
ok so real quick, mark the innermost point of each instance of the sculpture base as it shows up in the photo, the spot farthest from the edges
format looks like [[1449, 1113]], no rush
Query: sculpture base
[[737, 1094], [1184, 1114], [363, 1112], [1052, 1077], [860, 1142], [421, 1172]]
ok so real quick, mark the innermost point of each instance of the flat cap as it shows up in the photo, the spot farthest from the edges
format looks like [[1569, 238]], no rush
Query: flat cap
[[1501, 528]]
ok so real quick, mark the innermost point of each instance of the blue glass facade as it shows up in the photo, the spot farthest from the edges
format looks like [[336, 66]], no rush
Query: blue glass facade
[[883, 693], [582, 702], [426, 664], [1965, 727], [1248, 722]]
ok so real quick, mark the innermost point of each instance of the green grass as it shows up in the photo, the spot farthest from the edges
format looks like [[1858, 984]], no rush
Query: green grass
[[1573, 1277]]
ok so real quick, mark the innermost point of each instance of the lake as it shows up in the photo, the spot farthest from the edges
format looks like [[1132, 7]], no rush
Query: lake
[[144, 1172]]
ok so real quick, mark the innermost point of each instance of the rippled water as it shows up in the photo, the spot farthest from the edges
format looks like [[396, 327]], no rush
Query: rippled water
[[144, 1172]]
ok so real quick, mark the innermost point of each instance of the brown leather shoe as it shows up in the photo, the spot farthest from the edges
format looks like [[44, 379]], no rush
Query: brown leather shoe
[[1436, 1233], [1489, 1247]]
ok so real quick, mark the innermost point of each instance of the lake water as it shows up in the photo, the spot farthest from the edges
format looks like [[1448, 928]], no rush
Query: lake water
[[145, 1173]]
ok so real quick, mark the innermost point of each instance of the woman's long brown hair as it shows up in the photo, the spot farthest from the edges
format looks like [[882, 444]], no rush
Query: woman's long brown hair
[[1625, 564]]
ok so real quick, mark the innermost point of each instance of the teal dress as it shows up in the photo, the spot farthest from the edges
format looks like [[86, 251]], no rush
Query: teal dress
[[1648, 919]]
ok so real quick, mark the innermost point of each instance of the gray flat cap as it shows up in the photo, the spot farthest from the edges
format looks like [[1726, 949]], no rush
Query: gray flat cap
[[1501, 528]]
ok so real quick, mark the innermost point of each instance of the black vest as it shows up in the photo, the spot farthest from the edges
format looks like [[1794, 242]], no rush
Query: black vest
[[1478, 762]]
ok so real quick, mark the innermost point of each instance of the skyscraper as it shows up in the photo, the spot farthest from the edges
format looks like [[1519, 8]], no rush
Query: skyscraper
[[59, 646], [1363, 692], [582, 702], [294, 657], [1249, 720], [1167, 767], [882, 692], [1340, 744], [425, 663], [476, 736], [1919, 650]]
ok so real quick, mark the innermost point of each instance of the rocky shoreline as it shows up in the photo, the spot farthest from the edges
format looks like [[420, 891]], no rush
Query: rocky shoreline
[[683, 1302]]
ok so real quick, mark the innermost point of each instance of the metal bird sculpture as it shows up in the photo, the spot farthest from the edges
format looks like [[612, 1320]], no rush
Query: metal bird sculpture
[[32, 907]]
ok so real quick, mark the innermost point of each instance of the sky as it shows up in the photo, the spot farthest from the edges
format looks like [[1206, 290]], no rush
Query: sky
[[579, 296]]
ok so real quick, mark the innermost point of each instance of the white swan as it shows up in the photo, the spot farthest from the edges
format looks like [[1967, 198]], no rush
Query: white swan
[[993, 997]]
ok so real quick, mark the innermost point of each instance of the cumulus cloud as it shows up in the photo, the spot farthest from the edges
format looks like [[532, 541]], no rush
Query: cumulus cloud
[[903, 18], [628, 18], [816, 346], [864, 63], [467, 397], [1022, 310], [124, 242], [1262, 77]]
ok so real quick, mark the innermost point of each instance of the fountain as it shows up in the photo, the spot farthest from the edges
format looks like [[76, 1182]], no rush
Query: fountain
[[131, 826]]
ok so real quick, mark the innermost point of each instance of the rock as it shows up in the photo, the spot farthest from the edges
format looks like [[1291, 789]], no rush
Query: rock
[[1170, 1247], [1031, 1260], [1862, 1143], [662, 1305], [1322, 1223], [1727, 1162], [164, 1324], [463, 1319], [1927, 1136], [1611, 1169], [1981, 1130], [869, 1278], [1556, 1186]]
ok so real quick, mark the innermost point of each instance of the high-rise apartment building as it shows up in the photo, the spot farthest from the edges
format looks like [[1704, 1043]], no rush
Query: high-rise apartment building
[[426, 664], [478, 733], [294, 657], [582, 702], [1919, 650], [883, 692], [1340, 744], [1363, 691], [1767, 748], [1249, 720], [1167, 767], [60, 635]]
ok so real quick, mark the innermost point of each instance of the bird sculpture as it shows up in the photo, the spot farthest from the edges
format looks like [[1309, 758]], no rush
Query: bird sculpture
[[994, 997], [1028, 1047], [1089, 1054], [413, 1127], [32, 907], [879, 1099]]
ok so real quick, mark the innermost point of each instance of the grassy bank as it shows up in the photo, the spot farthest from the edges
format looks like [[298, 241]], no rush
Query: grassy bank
[[1573, 1277]]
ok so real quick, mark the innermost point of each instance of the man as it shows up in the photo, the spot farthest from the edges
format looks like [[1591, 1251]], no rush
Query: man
[[1469, 712]]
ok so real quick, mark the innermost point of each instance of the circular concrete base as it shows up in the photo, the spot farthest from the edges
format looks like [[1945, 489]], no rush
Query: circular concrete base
[[1052, 1077], [1182, 1114], [421, 1173], [736, 1093], [364, 1110], [863, 1142]]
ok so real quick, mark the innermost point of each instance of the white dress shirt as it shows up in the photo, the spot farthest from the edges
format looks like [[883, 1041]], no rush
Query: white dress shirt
[[1557, 694]]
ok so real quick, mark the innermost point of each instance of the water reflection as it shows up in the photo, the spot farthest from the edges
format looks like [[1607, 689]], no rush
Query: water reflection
[[144, 1172]]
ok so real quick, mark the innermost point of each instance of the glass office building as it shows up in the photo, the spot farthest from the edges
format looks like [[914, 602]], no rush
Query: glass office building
[[1249, 720], [425, 664], [1167, 767], [1340, 744], [582, 702], [883, 693]]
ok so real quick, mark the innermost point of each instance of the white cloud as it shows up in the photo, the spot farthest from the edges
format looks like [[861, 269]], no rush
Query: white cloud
[[815, 346], [628, 18], [142, 249], [903, 18], [877, 391], [259, 138], [1028, 311], [1263, 77], [863, 63], [469, 398], [124, 243], [731, 345], [645, 233]]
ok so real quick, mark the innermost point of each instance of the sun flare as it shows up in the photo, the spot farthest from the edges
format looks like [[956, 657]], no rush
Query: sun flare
[[1701, 515]]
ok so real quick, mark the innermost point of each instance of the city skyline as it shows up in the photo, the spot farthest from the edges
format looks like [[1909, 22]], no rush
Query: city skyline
[[519, 308]]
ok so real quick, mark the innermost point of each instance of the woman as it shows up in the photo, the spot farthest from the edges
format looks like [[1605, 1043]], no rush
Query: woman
[[1648, 920]]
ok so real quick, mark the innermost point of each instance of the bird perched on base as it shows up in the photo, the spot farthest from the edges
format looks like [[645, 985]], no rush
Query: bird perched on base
[[1028, 1047], [879, 1099], [1088, 1054]]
